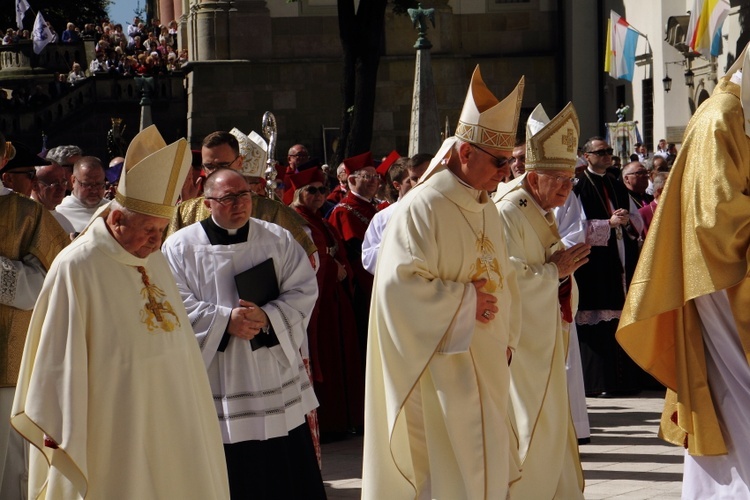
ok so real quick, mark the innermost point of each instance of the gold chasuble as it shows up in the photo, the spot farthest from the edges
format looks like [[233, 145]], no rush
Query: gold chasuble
[[195, 210], [697, 244], [437, 380], [27, 229], [539, 409]]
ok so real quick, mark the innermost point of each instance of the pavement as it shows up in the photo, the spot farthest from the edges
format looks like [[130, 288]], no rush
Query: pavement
[[625, 459]]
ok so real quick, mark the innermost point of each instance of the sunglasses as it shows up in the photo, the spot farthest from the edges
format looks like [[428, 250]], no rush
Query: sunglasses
[[31, 174], [500, 161], [315, 190], [602, 152]]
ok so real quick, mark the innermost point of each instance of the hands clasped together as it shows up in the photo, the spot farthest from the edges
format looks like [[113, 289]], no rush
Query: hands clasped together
[[247, 320], [568, 260]]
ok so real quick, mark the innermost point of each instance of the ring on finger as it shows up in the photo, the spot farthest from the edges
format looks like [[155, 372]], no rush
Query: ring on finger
[[486, 314]]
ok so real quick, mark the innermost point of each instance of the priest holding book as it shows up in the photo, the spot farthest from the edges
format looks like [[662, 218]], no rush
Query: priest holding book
[[251, 350]]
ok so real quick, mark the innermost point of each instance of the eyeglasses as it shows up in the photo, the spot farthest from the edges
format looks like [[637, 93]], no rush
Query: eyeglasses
[[28, 173], [315, 190], [210, 167], [300, 155], [500, 161], [640, 173], [63, 184], [231, 199], [368, 177], [90, 185], [561, 178], [602, 152]]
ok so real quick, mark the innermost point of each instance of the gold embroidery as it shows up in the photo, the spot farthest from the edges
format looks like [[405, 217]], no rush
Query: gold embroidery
[[155, 311], [486, 264], [570, 140]]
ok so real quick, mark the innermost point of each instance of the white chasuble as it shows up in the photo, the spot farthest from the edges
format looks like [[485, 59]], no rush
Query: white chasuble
[[437, 380], [111, 372], [258, 394], [539, 407]]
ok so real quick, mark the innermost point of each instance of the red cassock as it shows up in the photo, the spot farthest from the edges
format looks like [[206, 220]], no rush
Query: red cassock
[[336, 194], [351, 218], [334, 349]]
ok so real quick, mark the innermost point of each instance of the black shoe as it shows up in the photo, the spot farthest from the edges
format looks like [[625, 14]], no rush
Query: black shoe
[[582, 441]]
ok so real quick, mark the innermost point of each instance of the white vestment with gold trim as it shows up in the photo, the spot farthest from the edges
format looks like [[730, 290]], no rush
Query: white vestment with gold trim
[[539, 407], [120, 387], [437, 380]]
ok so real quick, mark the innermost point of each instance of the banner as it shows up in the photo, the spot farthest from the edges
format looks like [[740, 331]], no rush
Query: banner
[[41, 35], [622, 137], [620, 48], [21, 7], [704, 28]]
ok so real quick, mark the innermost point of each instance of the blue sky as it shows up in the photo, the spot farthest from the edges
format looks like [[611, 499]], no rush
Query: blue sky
[[121, 11]]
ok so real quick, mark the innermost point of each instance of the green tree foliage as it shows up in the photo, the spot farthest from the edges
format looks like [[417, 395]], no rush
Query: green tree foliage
[[57, 12]]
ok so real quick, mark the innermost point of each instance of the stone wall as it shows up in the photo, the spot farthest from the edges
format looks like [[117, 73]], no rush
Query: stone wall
[[305, 96]]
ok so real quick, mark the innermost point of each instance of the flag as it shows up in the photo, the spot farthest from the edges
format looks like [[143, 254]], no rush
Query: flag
[[41, 35], [21, 7], [704, 28], [621, 44]]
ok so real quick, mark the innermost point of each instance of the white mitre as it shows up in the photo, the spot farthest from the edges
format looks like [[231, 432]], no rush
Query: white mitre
[[153, 174], [254, 152], [484, 121], [552, 144]]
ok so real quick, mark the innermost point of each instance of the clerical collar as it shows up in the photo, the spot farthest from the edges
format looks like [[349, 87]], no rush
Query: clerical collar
[[361, 197], [218, 235], [590, 170], [538, 206], [477, 193]]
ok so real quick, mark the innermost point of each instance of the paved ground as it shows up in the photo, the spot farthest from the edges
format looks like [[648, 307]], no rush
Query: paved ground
[[625, 459]]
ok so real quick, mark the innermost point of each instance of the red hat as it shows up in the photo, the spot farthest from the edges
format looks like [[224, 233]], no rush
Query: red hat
[[386, 164], [302, 179], [358, 162]]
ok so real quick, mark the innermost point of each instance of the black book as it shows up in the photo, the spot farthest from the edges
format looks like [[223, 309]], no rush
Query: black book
[[259, 286]]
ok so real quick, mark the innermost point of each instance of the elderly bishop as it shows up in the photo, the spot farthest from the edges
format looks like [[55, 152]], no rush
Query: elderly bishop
[[539, 409], [112, 391]]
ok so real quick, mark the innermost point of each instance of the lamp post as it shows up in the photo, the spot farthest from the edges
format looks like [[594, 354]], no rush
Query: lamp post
[[667, 82], [689, 76]]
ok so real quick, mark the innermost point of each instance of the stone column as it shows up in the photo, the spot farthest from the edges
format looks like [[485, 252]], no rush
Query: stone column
[[209, 22], [424, 132], [166, 11]]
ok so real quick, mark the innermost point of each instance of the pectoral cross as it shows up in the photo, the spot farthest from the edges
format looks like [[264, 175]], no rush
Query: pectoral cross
[[155, 308]]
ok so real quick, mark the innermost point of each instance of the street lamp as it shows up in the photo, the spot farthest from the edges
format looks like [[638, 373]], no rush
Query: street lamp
[[689, 78], [667, 81]]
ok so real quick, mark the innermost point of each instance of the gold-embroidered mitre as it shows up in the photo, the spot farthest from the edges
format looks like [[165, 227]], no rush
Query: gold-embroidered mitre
[[254, 151], [153, 174], [484, 120], [552, 144]]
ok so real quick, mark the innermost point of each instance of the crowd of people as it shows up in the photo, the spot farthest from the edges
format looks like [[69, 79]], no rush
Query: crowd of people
[[141, 50], [456, 307]]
